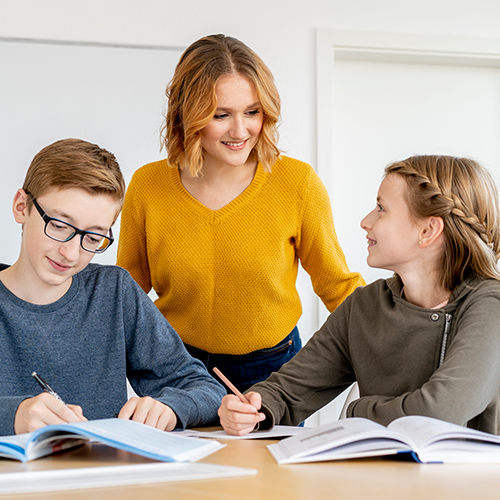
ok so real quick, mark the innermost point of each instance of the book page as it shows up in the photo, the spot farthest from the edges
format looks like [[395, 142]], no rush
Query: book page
[[456, 451], [337, 434], [357, 449], [423, 431], [134, 437], [14, 446]]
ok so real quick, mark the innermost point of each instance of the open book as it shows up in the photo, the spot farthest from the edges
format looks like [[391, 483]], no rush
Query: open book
[[427, 439], [117, 433]]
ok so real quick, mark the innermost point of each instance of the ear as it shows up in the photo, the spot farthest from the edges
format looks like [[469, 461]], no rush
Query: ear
[[19, 206], [431, 231]]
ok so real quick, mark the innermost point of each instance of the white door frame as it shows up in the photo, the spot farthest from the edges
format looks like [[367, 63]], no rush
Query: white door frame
[[388, 47], [384, 47]]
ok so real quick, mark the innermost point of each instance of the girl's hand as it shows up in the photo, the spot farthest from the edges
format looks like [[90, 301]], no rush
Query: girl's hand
[[239, 418]]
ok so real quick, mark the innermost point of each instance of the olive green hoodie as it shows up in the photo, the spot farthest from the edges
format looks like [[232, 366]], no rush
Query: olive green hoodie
[[443, 363]]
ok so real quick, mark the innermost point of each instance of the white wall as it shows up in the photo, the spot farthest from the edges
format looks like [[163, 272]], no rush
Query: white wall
[[388, 111], [280, 31]]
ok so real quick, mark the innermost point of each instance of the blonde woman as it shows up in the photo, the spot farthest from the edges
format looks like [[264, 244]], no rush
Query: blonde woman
[[218, 229]]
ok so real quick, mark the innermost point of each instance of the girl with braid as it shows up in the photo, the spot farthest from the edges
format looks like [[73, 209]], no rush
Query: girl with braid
[[423, 342]]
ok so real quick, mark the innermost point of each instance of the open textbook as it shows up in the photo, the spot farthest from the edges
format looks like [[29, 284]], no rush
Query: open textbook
[[117, 433], [427, 439]]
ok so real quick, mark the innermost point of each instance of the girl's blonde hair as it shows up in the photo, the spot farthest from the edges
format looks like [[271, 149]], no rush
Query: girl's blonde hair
[[464, 195], [192, 101]]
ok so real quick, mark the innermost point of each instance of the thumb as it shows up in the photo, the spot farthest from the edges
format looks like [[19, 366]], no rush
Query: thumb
[[255, 399]]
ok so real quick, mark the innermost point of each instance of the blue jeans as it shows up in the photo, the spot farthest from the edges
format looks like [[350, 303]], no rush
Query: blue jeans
[[244, 370]]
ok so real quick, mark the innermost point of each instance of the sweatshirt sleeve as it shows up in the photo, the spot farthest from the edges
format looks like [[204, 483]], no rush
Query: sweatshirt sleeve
[[159, 366], [317, 374], [319, 249], [468, 381], [8, 409]]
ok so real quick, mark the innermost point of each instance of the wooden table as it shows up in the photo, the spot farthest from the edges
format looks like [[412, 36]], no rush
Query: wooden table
[[353, 479]]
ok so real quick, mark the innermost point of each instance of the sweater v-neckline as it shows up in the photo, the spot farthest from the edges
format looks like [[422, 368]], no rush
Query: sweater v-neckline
[[216, 215]]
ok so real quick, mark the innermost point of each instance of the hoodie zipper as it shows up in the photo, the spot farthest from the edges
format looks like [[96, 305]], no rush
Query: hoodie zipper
[[446, 332]]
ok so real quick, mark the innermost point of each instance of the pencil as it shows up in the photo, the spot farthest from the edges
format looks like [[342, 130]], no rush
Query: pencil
[[236, 392], [231, 386]]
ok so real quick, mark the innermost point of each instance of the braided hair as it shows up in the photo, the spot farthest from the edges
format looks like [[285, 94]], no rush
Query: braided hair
[[464, 195]]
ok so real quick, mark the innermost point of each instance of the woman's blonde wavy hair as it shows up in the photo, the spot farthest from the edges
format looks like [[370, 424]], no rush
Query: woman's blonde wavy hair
[[464, 195], [192, 100]]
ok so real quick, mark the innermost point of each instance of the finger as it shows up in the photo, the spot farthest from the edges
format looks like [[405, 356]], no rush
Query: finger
[[58, 412], [77, 410], [128, 408], [150, 412], [158, 415], [255, 399], [233, 403], [238, 429], [241, 420], [168, 420], [42, 410], [153, 415], [64, 414], [142, 408], [238, 423]]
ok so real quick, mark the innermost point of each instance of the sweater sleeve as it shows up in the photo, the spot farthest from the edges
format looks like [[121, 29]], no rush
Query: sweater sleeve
[[132, 250], [159, 366], [465, 385], [319, 249], [317, 374], [8, 409]]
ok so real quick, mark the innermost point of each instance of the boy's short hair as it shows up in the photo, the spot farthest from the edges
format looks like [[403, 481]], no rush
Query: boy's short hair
[[74, 163]]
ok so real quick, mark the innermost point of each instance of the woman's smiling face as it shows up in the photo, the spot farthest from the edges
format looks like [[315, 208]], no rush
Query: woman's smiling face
[[234, 130]]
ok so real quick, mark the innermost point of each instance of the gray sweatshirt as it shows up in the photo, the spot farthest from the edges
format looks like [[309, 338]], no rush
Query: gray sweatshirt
[[407, 360], [103, 330]]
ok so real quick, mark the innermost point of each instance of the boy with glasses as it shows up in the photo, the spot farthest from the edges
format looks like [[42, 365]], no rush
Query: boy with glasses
[[86, 327]]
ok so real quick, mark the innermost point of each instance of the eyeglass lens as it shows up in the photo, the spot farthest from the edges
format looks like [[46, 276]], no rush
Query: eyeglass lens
[[92, 242]]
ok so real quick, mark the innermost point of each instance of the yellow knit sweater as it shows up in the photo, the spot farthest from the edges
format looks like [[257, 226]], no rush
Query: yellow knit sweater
[[225, 279]]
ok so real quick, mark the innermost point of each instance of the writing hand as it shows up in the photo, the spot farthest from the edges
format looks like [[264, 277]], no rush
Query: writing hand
[[240, 418], [43, 410], [149, 411]]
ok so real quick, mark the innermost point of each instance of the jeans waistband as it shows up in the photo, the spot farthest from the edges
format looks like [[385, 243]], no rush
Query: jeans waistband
[[292, 337]]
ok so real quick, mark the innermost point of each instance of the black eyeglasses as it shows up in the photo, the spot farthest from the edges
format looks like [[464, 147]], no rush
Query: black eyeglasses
[[59, 230]]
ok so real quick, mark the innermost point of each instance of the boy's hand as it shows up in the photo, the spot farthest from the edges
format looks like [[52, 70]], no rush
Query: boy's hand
[[149, 411], [239, 418], [43, 410]]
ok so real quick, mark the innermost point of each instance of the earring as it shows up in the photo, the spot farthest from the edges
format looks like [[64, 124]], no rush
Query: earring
[[420, 242]]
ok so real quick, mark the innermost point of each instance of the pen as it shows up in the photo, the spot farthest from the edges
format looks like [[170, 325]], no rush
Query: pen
[[46, 387]]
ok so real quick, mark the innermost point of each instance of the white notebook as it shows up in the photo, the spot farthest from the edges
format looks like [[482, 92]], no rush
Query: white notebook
[[116, 475]]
